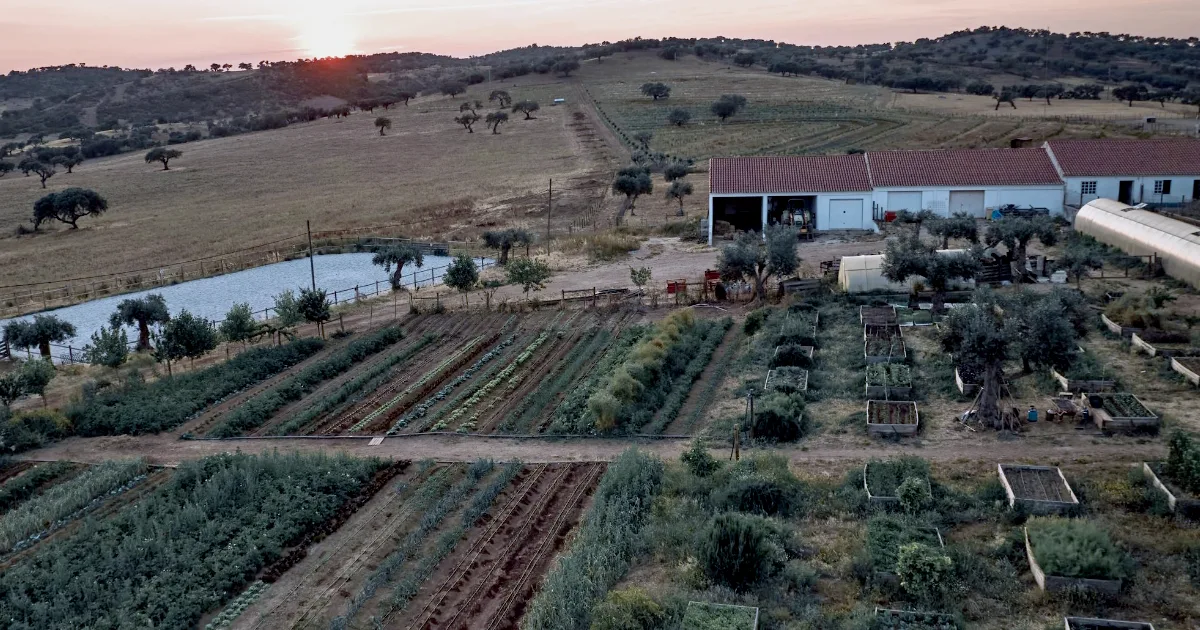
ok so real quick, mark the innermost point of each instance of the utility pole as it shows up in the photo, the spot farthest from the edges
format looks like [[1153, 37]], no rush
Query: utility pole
[[549, 208], [312, 266]]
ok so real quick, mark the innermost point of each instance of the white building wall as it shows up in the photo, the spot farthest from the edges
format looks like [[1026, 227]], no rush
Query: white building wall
[[867, 221], [1143, 189], [937, 200]]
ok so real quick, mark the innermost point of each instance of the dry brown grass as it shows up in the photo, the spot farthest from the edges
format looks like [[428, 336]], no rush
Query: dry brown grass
[[230, 193], [986, 106]]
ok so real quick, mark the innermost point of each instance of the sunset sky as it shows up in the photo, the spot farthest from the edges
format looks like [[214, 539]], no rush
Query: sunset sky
[[141, 33]]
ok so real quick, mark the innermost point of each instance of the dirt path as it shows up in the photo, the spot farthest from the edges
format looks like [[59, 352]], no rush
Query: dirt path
[[983, 446], [682, 424]]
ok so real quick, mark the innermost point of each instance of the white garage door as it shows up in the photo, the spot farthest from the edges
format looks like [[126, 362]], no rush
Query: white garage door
[[910, 201], [845, 214], [968, 202]]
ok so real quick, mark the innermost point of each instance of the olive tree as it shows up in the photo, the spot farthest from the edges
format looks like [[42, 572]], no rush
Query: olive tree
[[109, 347], [185, 336], [728, 105], [633, 182], [160, 154], [527, 108], [143, 312], [1079, 262], [656, 90], [908, 257], [530, 273], [679, 117], [239, 324], [313, 305], [39, 333], [500, 97], [1017, 232], [753, 258], [960, 226], [495, 119], [383, 123], [504, 240], [977, 335], [677, 191], [398, 256]]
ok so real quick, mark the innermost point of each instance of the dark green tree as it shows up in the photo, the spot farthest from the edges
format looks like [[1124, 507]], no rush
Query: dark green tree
[[679, 117], [501, 98], [453, 88], [737, 551], [908, 257], [677, 191], [68, 206], [35, 376], [959, 226], [143, 312], [495, 119], [383, 124], [6, 168], [1078, 262], [1017, 232], [530, 273], [504, 240], [239, 324], [753, 258], [189, 336], [1130, 93], [462, 275], [565, 67], [39, 333], [109, 347], [43, 171], [313, 305], [728, 105], [633, 182], [977, 335], [527, 108], [160, 154], [397, 256], [656, 90], [676, 169]]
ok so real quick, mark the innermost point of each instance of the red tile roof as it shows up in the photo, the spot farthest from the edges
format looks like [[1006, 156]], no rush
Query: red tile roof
[[789, 174], [1115, 157], [962, 167]]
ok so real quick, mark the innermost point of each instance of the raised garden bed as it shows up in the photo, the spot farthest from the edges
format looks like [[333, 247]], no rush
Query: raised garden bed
[[1189, 367], [884, 350], [885, 536], [881, 479], [786, 380], [1083, 623], [877, 314], [1039, 489], [916, 317], [708, 616], [1094, 562], [967, 378], [889, 619], [1161, 344], [1077, 385], [792, 355], [882, 331], [1120, 412], [885, 417], [889, 381], [1179, 500], [1117, 329]]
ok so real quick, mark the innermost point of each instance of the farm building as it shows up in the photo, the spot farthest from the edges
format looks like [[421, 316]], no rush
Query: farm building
[[1141, 233], [1161, 171], [824, 192], [970, 181]]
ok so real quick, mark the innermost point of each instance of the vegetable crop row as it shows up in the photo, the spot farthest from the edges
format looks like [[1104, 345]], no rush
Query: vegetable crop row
[[557, 382], [23, 486], [482, 392], [682, 384], [168, 402], [349, 389], [185, 548], [572, 415], [254, 412], [420, 410], [64, 500], [236, 607]]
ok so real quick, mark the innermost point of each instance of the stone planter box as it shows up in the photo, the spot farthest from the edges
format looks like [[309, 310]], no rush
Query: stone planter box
[[1106, 421], [1083, 623], [1178, 503], [1056, 583], [967, 389], [1056, 495], [1077, 386], [1137, 344], [1189, 367], [907, 429], [1118, 329]]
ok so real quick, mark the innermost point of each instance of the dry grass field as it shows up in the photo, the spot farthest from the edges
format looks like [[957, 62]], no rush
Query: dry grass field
[[967, 104], [230, 193]]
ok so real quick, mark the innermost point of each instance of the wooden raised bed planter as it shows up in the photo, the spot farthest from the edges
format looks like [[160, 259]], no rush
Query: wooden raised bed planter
[[887, 500], [1056, 494], [1160, 349], [899, 352], [967, 389], [1083, 623], [1056, 583], [1077, 386], [1189, 367], [888, 392], [877, 314], [1117, 329], [775, 377], [1106, 420], [905, 412], [1176, 500]]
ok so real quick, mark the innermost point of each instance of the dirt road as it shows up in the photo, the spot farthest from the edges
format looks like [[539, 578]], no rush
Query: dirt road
[[166, 450]]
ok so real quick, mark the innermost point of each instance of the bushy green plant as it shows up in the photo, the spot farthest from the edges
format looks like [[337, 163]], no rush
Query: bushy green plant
[[889, 374], [702, 616], [1132, 311], [628, 609], [884, 477], [925, 573], [779, 417], [166, 403], [886, 534], [26, 430], [1183, 463], [757, 494], [755, 320], [739, 551], [23, 486], [914, 495], [572, 414], [792, 355], [698, 460], [1076, 549]]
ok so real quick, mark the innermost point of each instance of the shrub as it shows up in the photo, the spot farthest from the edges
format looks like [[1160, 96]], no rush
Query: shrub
[[1076, 549], [739, 551], [924, 572], [884, 477], [1133, 312], [755, 320], [914, 495], [791, 355], [699, 461], [1183, 463], [779, 418], [28, 430], [628, 609], [759, 495]]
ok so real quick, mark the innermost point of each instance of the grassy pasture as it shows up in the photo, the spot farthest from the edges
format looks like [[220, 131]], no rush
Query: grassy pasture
[[230, 193]]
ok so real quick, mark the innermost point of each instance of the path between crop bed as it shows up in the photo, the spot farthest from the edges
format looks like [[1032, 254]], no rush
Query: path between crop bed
[[166, 450]]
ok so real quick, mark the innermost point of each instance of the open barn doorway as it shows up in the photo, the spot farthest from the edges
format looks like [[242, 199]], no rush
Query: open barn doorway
[[737, 214]]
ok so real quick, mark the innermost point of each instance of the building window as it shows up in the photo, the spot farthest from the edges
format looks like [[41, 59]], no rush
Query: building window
[[1087, 188], [1162, 187]]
